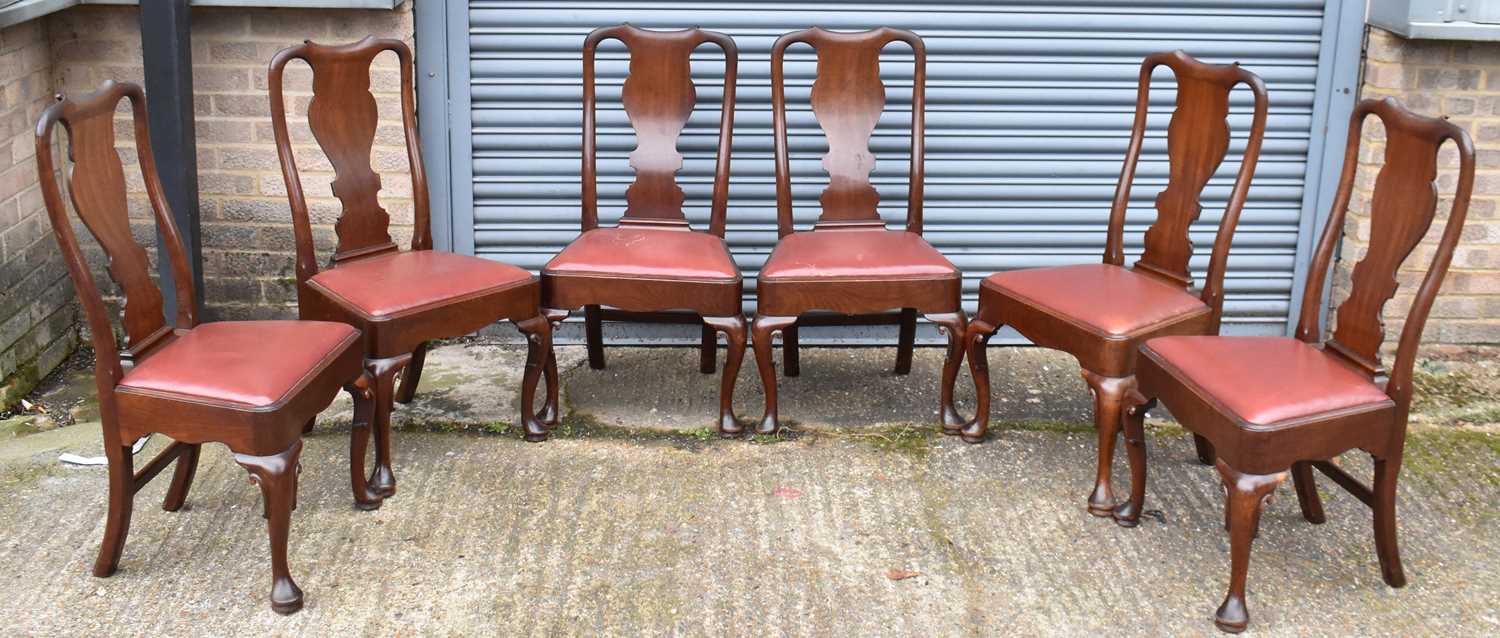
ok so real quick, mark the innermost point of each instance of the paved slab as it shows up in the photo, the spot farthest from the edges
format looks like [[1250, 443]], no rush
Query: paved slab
[[873, 530], [648, 535]]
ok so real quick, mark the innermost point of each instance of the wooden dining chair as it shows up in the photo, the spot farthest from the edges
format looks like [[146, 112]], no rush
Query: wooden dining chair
[[399, 299], [1100, 313], [850, 263], [653, 262], [1277, 406], [250, 385]]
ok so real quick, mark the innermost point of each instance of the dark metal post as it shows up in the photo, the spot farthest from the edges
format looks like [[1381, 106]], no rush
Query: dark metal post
[[166, 41]]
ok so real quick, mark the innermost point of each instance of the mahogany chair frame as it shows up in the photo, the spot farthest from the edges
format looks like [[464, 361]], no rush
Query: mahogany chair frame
[[1253, 459], [658, 96], [848, 97], [1198, 140], [266, 441], [343, 118]]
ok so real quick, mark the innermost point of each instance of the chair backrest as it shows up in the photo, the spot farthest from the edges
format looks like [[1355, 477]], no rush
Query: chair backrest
[[1197, 141], [96, 182], [658, 96], [1402, 208], [343, 118], [847, 99]]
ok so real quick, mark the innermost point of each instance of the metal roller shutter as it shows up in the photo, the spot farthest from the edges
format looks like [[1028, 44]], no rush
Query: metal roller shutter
[[1029, 112]]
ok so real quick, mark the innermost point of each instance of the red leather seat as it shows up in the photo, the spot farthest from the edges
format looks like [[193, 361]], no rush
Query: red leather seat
[[1109, 300], [856, 254], [1265, 380], [248, 363], [408, 281], [656, 253]]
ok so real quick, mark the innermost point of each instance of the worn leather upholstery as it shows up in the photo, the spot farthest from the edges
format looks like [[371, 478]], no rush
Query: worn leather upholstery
[[1108, 299], [636, 252], [856, 254], [1265, 380], [666, 268], [247, 363], [407, 281], [856, 272]]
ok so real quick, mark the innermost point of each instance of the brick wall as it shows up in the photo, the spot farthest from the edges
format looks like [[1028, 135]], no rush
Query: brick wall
[[1460, 80], [246, 224], [37, 313]]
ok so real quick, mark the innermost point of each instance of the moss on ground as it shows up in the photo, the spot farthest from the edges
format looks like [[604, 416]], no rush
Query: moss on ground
[[789, 432], [1483, 415], [18, 384], [1472, 454], [908, 438], [20, 475], [1064, 427], [1449, 393], [20, 425], [1434, 386]]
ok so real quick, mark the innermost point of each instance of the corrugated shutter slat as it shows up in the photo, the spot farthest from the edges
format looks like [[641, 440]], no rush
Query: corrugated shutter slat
[[1029, 111]]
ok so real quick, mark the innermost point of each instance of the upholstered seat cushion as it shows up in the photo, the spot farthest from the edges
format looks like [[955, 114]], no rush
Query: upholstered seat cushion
[[404, 281], [1265, 380], [856, 254], [1108, 299], [650, 253], [250, 363]]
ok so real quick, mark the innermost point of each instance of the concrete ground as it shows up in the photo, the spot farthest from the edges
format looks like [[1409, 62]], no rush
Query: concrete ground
[[636, 520]]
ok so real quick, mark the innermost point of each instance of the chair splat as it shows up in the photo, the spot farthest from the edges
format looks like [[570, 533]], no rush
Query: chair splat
[[1402, 208], [96, 184], [847, 99]]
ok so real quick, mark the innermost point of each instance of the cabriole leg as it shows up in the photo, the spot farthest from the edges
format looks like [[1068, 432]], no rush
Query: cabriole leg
[[362, 392], [277, 477], [954, 326], [1128, 514], [538, 331], [734, 331], [383, 374], [761, 331], [1248, 496], [977, 336], [1109, 397], [550, 415]]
